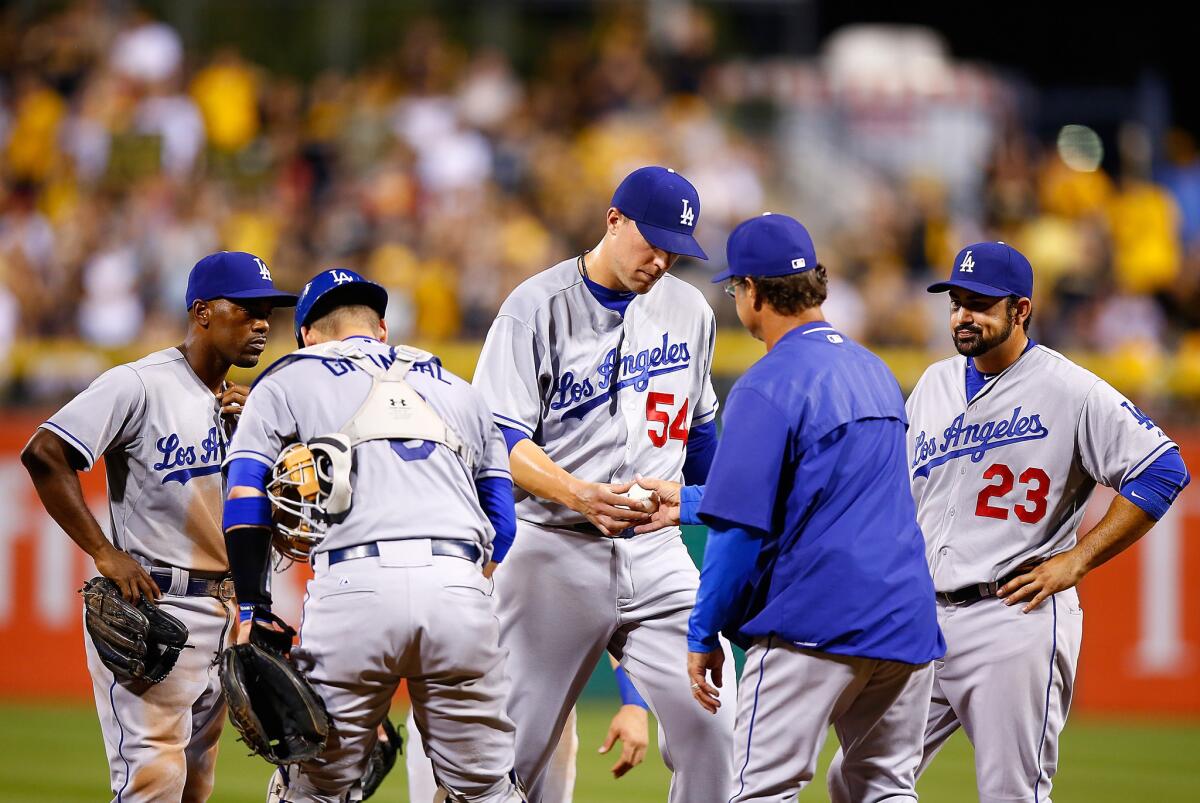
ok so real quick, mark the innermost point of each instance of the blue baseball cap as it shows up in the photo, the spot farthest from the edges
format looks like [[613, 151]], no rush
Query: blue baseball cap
[[665, 206], [768, 245], [337, 287], [234, 274], [990, 269]]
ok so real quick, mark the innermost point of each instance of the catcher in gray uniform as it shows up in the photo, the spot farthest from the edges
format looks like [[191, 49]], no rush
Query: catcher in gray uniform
[[161, 424], [598, 369], [388, 471]]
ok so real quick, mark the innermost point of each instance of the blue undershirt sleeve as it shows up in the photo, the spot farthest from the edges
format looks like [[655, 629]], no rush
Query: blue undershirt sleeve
[[690, 497], [701, 447], [247, 471], [1158, 485], [496, 498], [512, 436], [629, 694], [729, 562]]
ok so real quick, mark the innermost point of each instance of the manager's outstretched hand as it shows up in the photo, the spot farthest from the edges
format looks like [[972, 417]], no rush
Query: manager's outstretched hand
[[667, 514]]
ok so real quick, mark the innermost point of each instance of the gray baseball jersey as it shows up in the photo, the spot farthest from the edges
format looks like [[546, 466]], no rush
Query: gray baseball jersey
[[605, 395], [160, 431], [1004, 478], [308, 397], [999, 480]]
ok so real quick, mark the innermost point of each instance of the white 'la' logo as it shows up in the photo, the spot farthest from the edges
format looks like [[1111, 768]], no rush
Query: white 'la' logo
[[340, 277], [689, 215], [968, 264], [262, 269]]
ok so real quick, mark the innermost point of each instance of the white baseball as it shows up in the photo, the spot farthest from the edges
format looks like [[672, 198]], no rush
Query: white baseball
[[637, 493]]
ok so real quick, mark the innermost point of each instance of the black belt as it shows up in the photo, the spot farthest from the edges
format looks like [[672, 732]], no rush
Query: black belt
[[441, 547], [968, 594], [587, 528], [199, 584]]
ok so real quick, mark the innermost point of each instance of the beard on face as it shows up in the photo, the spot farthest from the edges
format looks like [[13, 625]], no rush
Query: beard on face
[[978, 345]]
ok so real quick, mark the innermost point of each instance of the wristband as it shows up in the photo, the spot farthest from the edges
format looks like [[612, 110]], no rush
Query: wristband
[[247, 511], [629, 694]]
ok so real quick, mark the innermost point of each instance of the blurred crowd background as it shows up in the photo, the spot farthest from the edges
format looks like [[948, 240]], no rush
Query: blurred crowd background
[[451, 150]]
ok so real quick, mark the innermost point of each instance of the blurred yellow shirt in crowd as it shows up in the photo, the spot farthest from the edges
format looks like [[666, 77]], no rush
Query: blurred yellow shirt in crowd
[[227, 95], [1144, 222], [1071, 193], [438, 316], [253, 232], [33, 143]]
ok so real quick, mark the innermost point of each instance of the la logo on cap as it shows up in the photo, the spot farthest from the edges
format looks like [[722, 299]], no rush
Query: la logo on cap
[[688, 218]]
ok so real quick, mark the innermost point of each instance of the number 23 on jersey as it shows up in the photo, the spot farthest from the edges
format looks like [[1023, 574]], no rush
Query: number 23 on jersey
[[1029, 503]]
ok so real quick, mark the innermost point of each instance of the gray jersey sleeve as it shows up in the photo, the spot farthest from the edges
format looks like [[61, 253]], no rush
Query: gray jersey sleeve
[[508, 374], [706, 408], [265, 426], [1116, 439], [494, 462], [105, 415]]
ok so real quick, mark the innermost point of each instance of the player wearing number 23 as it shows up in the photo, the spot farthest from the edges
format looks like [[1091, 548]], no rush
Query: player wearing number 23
[[1007, 440]]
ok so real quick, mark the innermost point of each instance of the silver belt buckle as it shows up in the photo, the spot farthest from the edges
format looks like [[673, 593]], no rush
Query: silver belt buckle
[[225, 590]]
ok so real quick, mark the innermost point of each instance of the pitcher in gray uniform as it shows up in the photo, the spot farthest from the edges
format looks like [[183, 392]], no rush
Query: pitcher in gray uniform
[[418, 512], [161, 423], [1007, 441], [597, 369]]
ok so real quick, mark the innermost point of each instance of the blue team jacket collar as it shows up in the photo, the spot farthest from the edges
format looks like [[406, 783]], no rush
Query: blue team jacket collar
[[815, 326]]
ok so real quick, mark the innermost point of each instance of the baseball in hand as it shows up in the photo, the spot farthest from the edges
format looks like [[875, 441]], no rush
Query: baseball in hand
[[638, 494]]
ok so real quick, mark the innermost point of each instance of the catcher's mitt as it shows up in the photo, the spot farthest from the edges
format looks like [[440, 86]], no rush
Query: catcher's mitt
[[138, 643], [277, 712], [382, 758]]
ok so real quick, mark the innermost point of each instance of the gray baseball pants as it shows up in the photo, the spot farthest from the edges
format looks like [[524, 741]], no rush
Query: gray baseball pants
[[565, 598], [790, 696]]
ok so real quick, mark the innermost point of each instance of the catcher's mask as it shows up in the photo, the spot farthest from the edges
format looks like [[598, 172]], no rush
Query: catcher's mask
[[309, 490]]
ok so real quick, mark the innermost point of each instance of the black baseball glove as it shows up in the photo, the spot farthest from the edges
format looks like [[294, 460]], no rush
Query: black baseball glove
[[382, 758], [278, 714], [139, 643]]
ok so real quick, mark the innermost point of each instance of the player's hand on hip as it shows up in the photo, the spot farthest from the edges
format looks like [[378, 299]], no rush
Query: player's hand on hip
[[667, 495], [490, 569], [700, 664], [129, 575], [234, 399], [604, 506], [1059, 573], [631, 727]]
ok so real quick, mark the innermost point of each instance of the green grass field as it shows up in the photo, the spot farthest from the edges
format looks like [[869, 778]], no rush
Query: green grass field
[[55, 754]]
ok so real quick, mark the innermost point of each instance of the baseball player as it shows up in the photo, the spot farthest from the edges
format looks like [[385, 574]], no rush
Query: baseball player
[[595, 369], [162, 424], [814, 556], [418, 501], [1005, 444]]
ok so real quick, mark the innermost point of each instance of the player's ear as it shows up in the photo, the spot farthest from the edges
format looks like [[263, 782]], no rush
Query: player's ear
[[752, 293], [613, 219], [306, 334], [1024, 310], [383, 330], [201, 313]]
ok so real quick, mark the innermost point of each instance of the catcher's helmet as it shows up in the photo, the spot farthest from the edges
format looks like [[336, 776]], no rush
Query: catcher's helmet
[[309, 488], [333, 288]]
